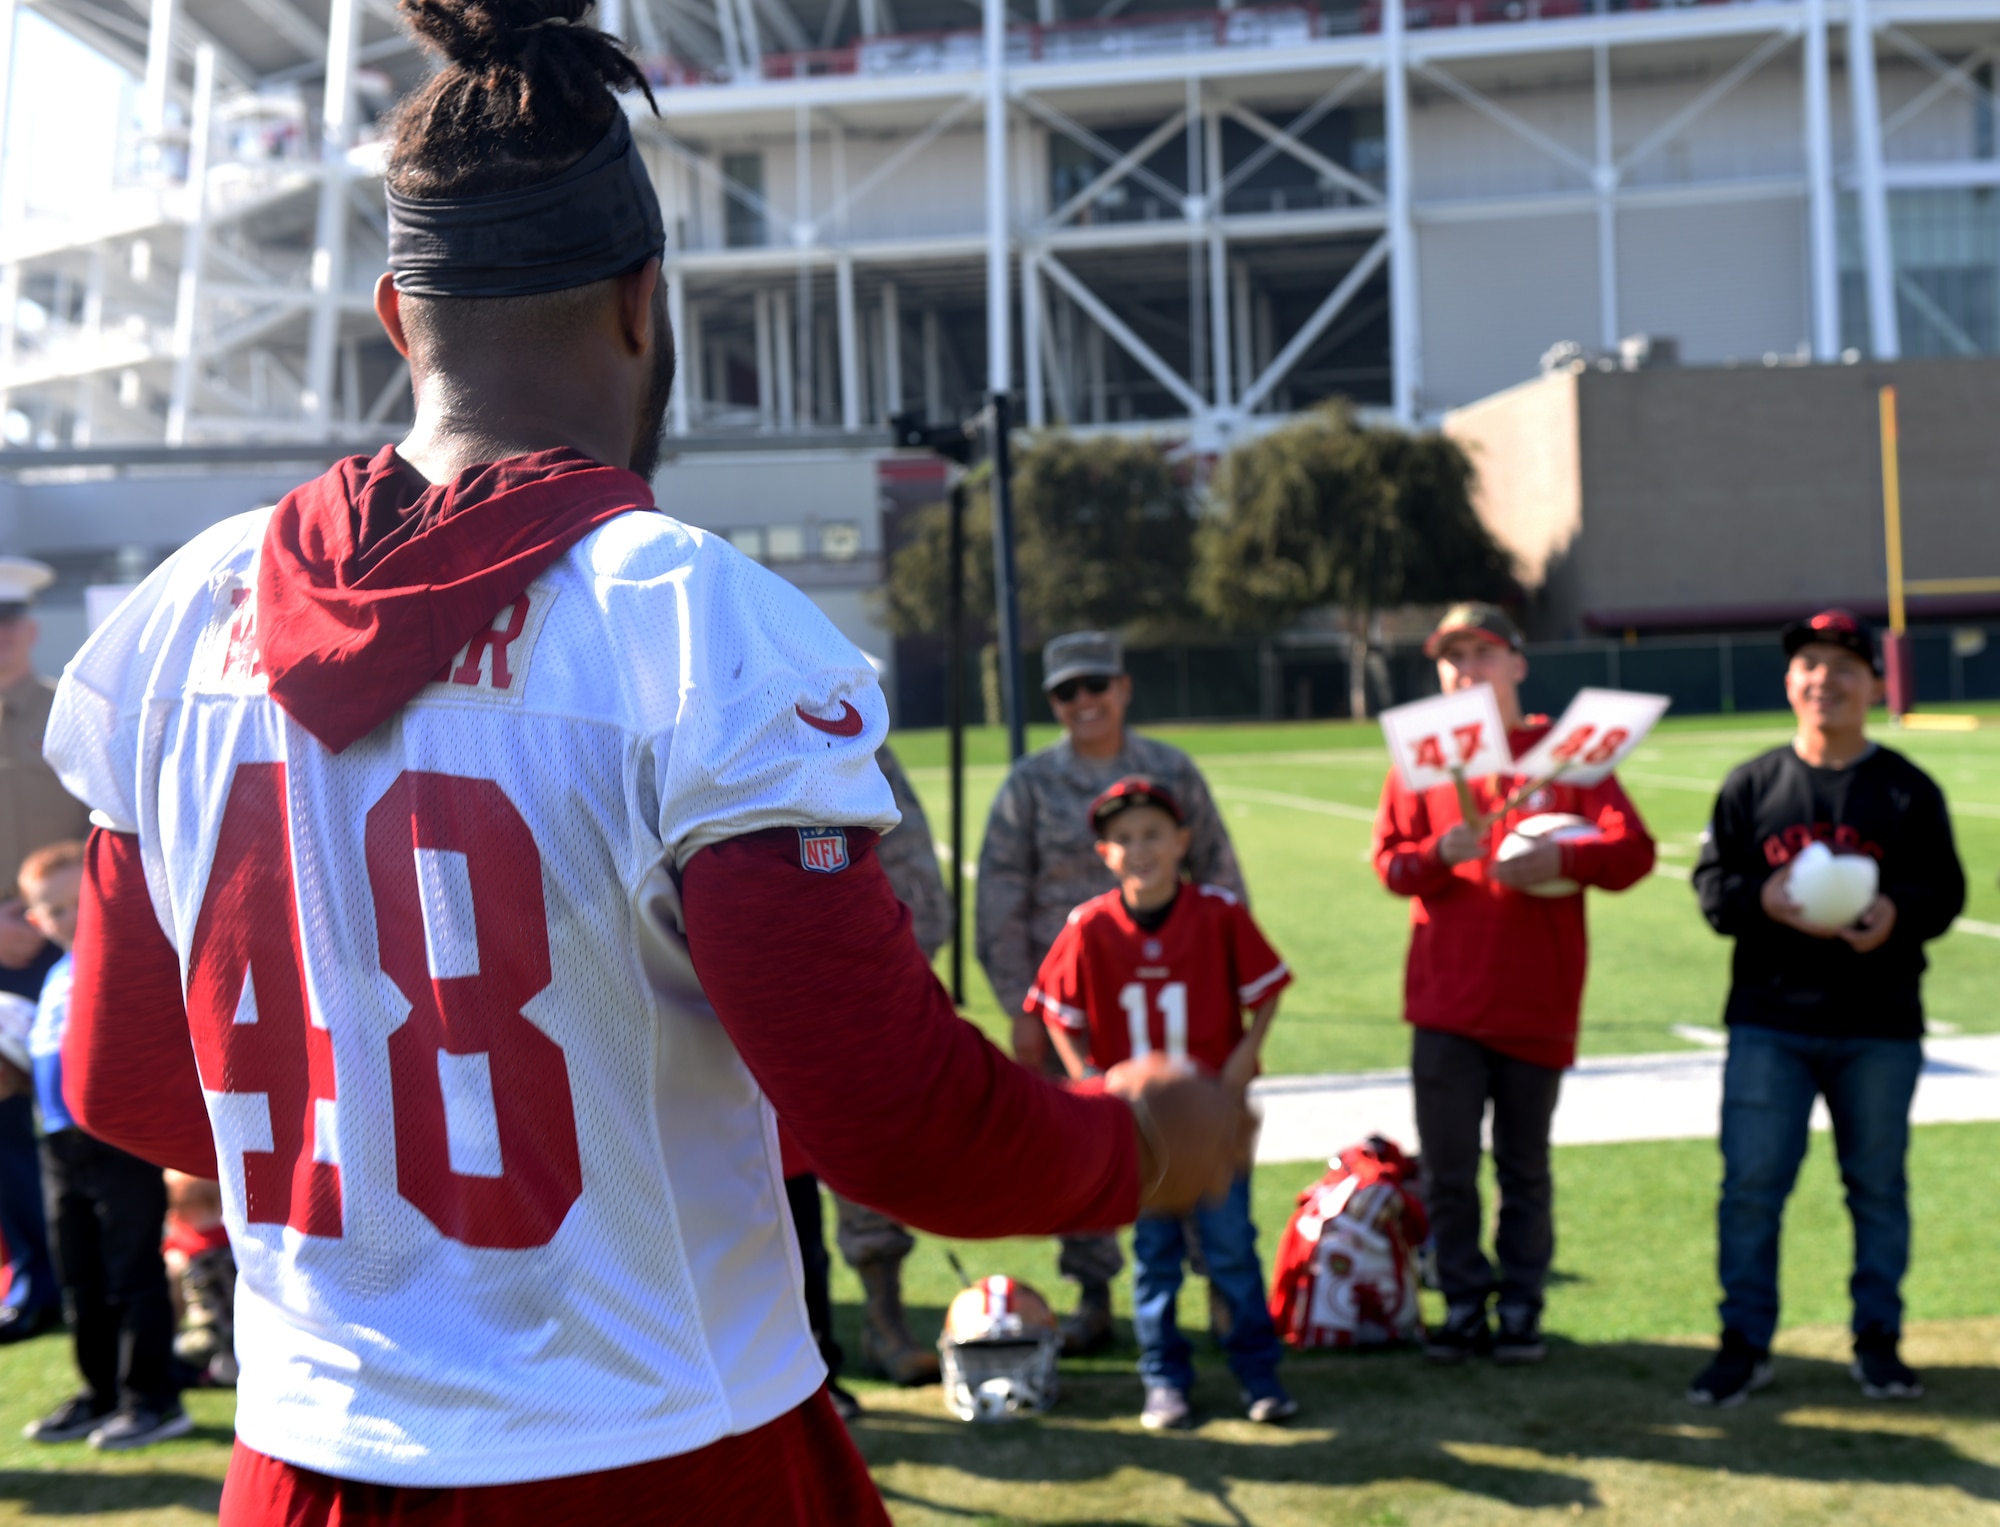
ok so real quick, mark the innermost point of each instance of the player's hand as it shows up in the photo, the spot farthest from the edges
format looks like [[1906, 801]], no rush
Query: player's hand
[[1030, 1040], [1194, 1133], [1779, 907], [1873, 931], [20, 940], [1460, 843], [1542, 862]]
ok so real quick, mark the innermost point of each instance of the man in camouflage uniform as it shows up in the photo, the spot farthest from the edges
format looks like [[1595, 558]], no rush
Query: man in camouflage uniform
[[1040, 860], [873, 1244]]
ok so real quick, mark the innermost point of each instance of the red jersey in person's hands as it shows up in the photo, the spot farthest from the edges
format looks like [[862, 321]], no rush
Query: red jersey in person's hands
[[1180, 988]]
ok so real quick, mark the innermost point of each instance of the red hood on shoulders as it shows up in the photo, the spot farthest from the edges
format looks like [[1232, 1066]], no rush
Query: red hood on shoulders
[[371, 578]]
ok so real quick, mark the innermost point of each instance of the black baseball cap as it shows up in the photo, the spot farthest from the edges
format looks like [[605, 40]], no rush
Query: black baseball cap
[[1133, 791], [1836, 628], [1475, 616]]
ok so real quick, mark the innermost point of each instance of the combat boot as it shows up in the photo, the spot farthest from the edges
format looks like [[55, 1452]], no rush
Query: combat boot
[[1087, 1328], [886, 1342]]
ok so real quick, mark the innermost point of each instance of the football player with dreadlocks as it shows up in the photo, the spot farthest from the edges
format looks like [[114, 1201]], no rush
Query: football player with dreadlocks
[[485, 860]]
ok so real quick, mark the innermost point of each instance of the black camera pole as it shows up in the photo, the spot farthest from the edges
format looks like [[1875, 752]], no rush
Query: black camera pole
[[955, 720], [1006, 601], [954, 443]]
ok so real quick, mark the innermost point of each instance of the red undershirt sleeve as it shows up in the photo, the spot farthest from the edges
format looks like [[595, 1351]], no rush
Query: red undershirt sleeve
[[900, 1103], [129, 1072]]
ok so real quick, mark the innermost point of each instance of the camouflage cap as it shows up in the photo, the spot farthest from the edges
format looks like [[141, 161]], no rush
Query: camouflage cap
[[1081, 655], [1478, 618]]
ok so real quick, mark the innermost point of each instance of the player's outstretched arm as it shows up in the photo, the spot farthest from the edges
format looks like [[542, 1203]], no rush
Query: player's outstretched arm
[[129, 1074], [899, 1102]]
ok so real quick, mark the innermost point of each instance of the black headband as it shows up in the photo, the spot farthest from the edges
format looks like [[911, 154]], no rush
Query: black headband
[[598, 218]]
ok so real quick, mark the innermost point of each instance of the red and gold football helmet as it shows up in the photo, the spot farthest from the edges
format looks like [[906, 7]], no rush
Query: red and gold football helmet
[[998, 1351]]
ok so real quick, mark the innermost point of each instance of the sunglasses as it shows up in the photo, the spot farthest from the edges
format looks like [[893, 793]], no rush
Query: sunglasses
[[1068, 690]]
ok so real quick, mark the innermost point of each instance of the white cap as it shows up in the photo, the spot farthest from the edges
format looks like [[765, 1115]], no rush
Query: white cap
[[21, 579]]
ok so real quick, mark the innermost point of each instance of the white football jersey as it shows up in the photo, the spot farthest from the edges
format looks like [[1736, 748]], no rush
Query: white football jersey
[[505, 1202]]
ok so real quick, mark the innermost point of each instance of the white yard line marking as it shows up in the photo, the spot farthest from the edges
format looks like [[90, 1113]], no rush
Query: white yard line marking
[[943, 851], [1671, 781], [1697, 1034], [1973, 925], [1973, 809], [1339, 809], [1672, 871]]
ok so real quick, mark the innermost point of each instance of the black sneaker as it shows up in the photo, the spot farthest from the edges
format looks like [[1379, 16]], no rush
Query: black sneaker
[[1737, 1372], [1464, 1334], [71, 1421], [1519, 1340], [141, 1426], [1882, 1374]]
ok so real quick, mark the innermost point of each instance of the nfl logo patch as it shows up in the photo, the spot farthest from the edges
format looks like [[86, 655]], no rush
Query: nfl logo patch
[[823, 849]]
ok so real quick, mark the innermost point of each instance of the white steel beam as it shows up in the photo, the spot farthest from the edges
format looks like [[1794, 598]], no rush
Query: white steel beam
[[1942, 175], [329, 263], [1324, 314], [892, 351], [677, 319], [392, 391], [760, 326], [904, 153], [1119, 330], [9, 17], [933, 368], [1218, 272], [1605, 182], [1405, 343], [188, 298], [1032, 351], [1312, 158], [1884, 339], [1294, 129], [156, 91], [1132, 162], [1822, 245], [782, 368], [1762, 54], [1495, 112], [999, 298], [850, 344]]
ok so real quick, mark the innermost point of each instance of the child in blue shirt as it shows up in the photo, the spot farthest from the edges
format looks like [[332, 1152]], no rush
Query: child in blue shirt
[[108, 1210]]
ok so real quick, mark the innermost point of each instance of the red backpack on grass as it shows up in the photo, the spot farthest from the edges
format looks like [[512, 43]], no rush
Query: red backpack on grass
[[1345, 1274]]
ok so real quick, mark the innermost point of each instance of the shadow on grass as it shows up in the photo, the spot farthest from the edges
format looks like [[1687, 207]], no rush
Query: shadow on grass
[[1523, 1437], [59, 1493]]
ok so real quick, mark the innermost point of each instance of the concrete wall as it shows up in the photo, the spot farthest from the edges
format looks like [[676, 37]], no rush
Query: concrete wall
[[1712, 496]]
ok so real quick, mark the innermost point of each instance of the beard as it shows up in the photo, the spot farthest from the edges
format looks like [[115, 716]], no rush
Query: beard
[[659, 389]]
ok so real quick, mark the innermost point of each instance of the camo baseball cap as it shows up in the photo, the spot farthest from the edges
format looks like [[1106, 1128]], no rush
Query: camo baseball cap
[[1481, 619], [1836, 628], [1081, 655]]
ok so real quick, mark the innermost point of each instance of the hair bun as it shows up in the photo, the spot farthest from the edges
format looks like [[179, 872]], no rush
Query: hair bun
[[479, 31]]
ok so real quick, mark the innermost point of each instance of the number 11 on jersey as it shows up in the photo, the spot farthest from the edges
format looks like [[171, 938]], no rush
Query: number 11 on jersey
[[1172, 1001]]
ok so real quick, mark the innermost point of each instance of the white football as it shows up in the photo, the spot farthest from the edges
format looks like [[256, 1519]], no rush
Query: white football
[[1563, 827], [1832, 889], [17, 1016]]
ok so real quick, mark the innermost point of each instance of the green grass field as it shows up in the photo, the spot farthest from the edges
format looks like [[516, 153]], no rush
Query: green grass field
[[1601, 1429], [1299, 799]]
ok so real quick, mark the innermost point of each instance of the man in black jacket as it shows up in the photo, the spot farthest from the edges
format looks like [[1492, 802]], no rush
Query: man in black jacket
[[1818, 1011]]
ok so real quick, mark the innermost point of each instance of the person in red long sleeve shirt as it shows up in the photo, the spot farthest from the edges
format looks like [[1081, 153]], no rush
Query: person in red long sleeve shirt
[[1493, 989], [485, 863]]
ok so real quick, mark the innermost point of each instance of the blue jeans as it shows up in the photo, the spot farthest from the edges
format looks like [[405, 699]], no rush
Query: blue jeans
[[1229, 1246], [24, 1225], [1768, 1089]]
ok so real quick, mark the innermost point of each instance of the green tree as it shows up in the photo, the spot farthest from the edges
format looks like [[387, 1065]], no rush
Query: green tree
[[1327, 510], [1103, 537]]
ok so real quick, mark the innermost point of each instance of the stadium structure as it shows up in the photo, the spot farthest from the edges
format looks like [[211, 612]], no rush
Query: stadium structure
[[1132, 216]]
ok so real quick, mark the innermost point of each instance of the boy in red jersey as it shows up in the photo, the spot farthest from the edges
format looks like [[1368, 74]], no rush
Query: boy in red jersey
[[1161, 966]]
